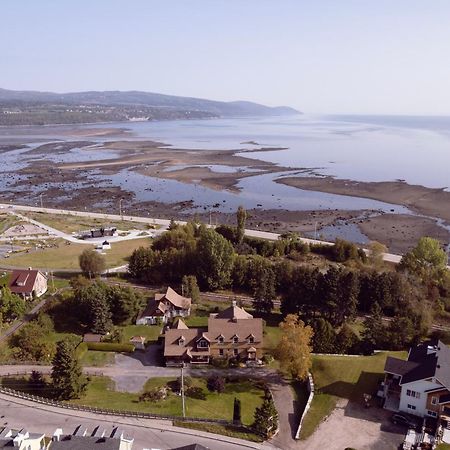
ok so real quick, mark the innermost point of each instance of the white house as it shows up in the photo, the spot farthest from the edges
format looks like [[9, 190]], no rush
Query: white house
[[28, 283], [163, 307], [420, 385], [22, 440]]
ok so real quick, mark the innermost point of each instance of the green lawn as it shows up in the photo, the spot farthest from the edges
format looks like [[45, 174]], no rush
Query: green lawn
[[97, 358], [101, 393], [443, 447], [196, 321], [151, 332], [66, 256], [272, 336], [345, 377]]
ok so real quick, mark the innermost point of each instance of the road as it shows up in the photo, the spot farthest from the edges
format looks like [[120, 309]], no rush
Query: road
[[389, 257], [153, 434]]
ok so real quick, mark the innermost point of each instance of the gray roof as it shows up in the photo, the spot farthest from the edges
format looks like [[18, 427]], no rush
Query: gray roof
[[71, 442], [192, 447], [426, 360]]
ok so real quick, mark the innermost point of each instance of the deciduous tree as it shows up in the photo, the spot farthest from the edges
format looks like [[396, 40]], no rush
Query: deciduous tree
[[92, 263]]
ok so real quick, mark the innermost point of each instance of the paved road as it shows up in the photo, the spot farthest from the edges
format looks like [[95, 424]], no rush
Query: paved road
[[164, 223], [154, 434]]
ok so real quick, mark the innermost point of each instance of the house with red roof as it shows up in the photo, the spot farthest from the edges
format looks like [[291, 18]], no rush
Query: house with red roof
[[28, 283]]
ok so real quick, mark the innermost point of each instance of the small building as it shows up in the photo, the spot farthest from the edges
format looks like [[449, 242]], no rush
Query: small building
[[92, 337], [99, 439], [164, 307], [28, 283], [232, 333], [105, 245], [138, 342], [21, 440]]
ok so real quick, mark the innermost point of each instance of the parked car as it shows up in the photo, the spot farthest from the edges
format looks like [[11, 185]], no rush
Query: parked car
[[400, 419]]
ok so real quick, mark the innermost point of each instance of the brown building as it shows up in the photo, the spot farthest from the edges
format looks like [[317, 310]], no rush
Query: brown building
[[232, 333], [28, 283]]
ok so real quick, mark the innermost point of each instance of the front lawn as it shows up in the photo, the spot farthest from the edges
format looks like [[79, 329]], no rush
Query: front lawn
[[97, 358], [101, 393], [342, 377], [151, 332]]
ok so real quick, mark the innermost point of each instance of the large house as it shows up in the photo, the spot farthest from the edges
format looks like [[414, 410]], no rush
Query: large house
[[164, 307], [420, 385], [28, 283], [232, 333]]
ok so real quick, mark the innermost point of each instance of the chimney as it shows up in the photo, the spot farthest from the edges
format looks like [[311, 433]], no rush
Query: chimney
[[57, 435], [233, 303]]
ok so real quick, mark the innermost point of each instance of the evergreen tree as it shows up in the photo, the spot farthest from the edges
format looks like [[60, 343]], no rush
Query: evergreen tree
[[374, 333], [68, 381], [241, 217], [346, 340], [324, 337], [190, 287], [266, 418], [261, 278], [237, 412]]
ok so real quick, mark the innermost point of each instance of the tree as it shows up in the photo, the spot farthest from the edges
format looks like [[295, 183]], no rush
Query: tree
[[376, 252], [241, 217], [426, 260], [294, 349], [214, 260], [266, 418], [91, 263], [346, 340], [215, 383], [68, 381], [37, 382], [190, 288], [261, 279], [124, 304], [374, 333], [11, 305], [237, 420], [324, 337]]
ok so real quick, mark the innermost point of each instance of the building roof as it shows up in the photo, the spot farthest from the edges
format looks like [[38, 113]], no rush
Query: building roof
[[192, 447], [430, 359], [138, 339], [229, 328], [172, 337], [23, 281], [177, 300], [71, 442], [92, 337], [180, 325], [153, 308], [234, 312]]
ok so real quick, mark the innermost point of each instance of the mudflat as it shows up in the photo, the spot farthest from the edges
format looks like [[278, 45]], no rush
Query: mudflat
[[420, 199]]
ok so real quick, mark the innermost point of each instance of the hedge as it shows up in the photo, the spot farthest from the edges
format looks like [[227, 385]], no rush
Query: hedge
[[110, 347], [81, 350]]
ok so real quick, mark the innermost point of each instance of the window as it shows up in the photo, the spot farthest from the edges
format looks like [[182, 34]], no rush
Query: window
[[411, 393], [235, 352], [221, 352], [235, 339], [181, 341], [432, 413], [411, 407], [434, 400], [203, 344], [251, 340], [220, 339]]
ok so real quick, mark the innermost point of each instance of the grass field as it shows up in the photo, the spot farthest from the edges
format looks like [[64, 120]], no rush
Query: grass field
[[71, 223], [101, 393], [97, 359], [151, 332], [342, 377], [66, 256]]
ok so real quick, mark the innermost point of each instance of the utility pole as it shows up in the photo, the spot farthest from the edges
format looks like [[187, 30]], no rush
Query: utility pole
[[182, 390], [210, 216], [315, 230], [40, 196], [120, 208]]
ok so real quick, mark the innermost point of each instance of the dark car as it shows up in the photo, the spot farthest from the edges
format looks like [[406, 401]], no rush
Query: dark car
[[400, 419]]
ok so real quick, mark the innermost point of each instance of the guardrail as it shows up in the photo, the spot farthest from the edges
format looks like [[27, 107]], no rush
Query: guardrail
[[310, 385]]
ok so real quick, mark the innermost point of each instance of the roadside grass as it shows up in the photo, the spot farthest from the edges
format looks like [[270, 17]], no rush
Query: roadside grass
[[66, 256], [69, 223], [7, 221], [342, 377], [443, 447], [224, 430], [101, 393], [97, 359]]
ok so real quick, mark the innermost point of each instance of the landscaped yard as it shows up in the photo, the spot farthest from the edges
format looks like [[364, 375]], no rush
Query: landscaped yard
[[342, 376], [101, 394], [151, 332], [66, 256]]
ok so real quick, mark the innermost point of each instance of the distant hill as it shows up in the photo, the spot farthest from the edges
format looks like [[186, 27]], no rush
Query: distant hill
[[34, 107]]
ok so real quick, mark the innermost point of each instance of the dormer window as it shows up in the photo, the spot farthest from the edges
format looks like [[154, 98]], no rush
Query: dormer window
[[251, 339], [235, 339], [181, 341], [220, 339], [203, 344]]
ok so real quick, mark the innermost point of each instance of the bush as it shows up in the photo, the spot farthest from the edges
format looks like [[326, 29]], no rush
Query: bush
[[216, 383], [196, 392], [110, 347], [220, 363], [81, 350], [267, 359], [154, 395]]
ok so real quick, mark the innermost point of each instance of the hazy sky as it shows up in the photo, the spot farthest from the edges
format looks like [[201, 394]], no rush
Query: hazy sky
[[331, 56]]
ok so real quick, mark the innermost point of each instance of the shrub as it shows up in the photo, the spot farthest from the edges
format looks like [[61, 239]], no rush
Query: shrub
[[81, 350], [216, 383], [196, 392], [153, 395], [110, 347], [220, 363], [267, 359]]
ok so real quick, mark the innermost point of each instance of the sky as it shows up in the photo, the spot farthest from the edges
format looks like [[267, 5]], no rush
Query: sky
[[319, 56]]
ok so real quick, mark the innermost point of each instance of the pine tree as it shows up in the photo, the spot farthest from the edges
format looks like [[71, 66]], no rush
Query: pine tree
[[266, 418], [241, 217], [67, 377], [237, 412]]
